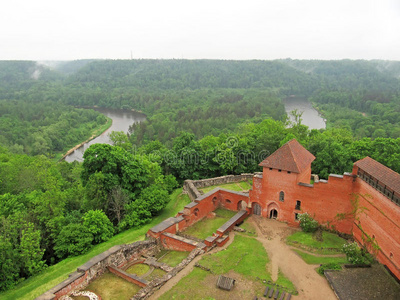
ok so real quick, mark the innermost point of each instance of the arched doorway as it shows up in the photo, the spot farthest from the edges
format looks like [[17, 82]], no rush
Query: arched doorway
[[256, 209], [273, 214], [273, 210], [241, 205]]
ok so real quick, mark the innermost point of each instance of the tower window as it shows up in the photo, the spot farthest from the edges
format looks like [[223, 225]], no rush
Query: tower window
[[298, 205], [296, 216], [281, 196]]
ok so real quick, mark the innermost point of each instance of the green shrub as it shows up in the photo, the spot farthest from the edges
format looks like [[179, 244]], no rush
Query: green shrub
[[97, 223], [74, 239], [307, 223], [356, 255], [329, 266]]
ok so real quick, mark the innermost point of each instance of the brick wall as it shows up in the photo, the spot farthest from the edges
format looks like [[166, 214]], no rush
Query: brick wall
[[128, 277], [76, 280], [324, 199], [178, 243], [378, 219]]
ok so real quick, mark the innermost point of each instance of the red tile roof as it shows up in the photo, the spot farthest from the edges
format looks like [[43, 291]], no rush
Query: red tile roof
[[291, 157], [380, 172]]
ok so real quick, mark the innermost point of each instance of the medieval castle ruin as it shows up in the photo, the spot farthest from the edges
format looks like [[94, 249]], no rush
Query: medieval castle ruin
[[364, 203]]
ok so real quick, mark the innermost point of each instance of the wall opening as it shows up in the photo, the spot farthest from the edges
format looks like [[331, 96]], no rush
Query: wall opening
[[196, 212], [241, 205], [273, 214], [281, 196], [298, 205]]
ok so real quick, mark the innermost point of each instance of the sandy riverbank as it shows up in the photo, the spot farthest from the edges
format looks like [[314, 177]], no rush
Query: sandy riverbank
[[95, 135]]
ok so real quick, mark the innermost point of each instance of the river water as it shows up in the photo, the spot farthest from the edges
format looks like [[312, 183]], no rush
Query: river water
[[121, 120], [310, 117]]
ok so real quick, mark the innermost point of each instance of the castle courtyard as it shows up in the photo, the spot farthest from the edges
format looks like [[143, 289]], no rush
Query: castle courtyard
[[309, 284]]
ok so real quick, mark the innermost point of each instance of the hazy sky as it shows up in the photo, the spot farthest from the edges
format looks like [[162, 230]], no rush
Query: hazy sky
[[247, 29]]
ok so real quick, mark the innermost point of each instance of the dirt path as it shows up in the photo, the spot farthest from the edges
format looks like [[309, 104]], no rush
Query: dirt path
[[189, 268], [309, 284]]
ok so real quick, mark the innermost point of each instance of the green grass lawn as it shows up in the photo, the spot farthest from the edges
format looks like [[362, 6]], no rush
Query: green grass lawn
[[157, 273], [207, 227], [316, 260], [111, 287], [245, 185], [138, 269], [173, 258], [331, 243], [245, 256], [188, 287], [250, 229], [37, 285], [238, 187], [284, 281]]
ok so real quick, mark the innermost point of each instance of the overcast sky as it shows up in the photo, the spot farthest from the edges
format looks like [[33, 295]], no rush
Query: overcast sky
[[217, 29]]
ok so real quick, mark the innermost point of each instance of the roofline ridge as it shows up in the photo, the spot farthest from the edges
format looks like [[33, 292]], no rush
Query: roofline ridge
[[293, 156]]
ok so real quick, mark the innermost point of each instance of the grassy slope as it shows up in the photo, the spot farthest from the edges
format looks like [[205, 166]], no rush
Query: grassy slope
[[173, 258], [37, 285], [250, 229], [238, 187], [245, 256], [331, 242], [207, 227], [316, 260]]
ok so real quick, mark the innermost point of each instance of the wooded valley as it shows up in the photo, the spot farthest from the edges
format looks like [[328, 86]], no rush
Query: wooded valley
[[204, 119]]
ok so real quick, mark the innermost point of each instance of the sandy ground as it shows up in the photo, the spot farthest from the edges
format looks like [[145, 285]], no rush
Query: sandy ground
[[272, 235], [309, 284]]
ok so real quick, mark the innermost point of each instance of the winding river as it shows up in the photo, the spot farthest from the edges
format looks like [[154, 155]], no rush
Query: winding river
[[310, 117], [121, 120]]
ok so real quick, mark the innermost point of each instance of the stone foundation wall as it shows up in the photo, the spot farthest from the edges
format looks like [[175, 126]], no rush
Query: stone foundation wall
[[191, 187], [116, 256], [158, 283], [128, 277]]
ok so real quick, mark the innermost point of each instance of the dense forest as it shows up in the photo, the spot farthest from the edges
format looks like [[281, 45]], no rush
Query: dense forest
[[205, 118]]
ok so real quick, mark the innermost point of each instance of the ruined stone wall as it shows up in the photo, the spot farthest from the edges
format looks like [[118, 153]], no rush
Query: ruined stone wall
[[116, 256], [191, 186], [128, 277], [155, 284], [178, 243]]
